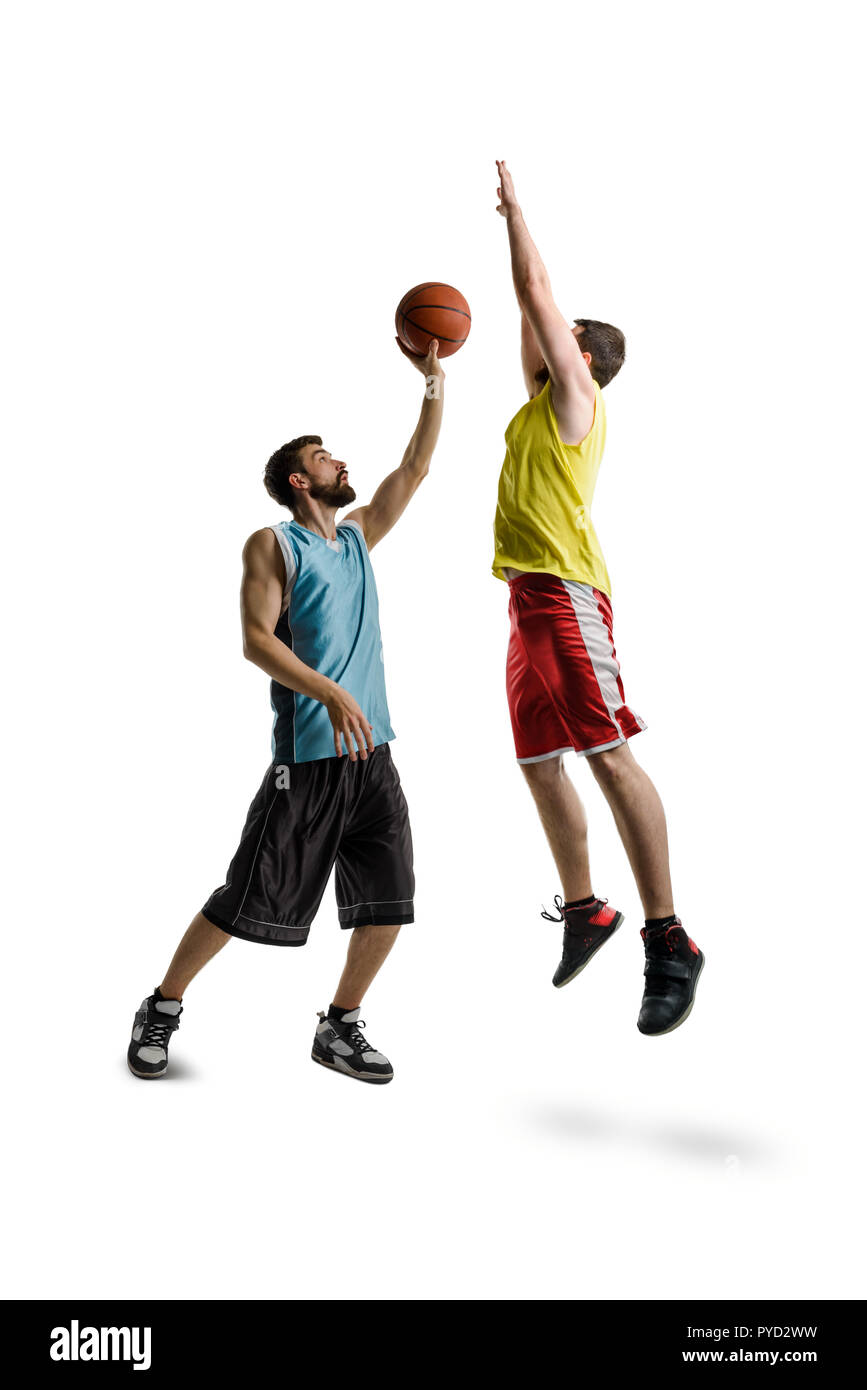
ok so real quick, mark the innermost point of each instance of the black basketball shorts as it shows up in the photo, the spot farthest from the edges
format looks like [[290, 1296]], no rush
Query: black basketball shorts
[[333, 812]]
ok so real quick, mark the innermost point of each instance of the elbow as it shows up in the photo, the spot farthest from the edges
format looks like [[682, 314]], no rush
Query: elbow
[[532, 286], [418, 467], [531, 281], [252, 647]]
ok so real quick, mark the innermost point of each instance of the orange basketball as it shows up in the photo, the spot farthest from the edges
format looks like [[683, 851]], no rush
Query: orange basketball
[[433, 310]]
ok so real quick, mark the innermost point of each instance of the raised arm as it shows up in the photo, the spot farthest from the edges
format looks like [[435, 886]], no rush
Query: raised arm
[[572, 389], [261, 606], [394, 492], [532, 360]]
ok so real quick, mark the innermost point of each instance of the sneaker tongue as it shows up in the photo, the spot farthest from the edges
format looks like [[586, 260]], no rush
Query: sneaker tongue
[[167, 1006], [351, 1017]]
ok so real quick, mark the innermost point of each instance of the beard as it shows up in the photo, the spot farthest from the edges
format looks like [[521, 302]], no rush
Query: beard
[[332, 494]]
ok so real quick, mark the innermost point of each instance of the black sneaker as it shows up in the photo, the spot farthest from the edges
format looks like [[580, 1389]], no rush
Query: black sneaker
[[672, 966], [587, 929], [340, 1044], [155, 1022]]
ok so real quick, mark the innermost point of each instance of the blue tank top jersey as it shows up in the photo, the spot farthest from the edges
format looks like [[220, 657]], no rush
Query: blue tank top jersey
[[330, 620]]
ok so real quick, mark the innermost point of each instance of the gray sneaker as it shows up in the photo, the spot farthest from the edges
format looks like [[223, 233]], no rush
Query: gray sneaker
[[155, 1022], [340, 1044]]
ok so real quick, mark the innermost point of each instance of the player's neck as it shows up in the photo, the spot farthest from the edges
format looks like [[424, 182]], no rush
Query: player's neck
[[319, 519]]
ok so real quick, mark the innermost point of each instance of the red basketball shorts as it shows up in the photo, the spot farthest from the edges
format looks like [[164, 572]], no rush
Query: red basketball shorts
[[562, 673]]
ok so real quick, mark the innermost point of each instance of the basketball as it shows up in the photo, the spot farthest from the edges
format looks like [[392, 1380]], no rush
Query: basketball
[[433, 310]]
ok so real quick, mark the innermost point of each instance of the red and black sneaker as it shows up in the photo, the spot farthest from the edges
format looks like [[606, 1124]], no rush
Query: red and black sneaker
[[587, 929], [672, 966]]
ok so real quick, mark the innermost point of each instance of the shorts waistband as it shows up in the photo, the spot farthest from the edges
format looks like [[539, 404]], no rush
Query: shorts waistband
[[546, 582], [529, 576]]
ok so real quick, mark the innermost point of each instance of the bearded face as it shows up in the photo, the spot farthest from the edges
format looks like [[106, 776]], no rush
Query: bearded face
[[334, 494]]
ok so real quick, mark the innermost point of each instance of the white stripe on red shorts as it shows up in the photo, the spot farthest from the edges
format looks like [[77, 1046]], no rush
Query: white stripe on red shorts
[[562, 673]]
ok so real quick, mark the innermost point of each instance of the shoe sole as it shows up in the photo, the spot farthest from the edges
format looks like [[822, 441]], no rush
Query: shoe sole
[[687, 1011], [343, 1070], [147, 1075], [569, 978]]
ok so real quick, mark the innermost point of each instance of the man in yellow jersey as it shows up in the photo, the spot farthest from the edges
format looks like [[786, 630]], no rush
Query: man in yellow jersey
[[562, 674]]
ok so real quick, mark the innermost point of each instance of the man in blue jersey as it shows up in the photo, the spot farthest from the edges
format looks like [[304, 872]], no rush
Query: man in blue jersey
[[331, 798]]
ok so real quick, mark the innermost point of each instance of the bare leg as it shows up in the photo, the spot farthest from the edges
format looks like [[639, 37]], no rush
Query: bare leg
[[200, 942], [564, 823], [640, 819], [368, 948]]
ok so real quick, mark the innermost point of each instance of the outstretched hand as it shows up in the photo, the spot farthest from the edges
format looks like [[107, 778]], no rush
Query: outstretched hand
[[506, 191], [428, 363]]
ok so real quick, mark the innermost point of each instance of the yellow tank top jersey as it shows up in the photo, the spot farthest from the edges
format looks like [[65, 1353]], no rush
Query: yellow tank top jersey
[[546, 490]]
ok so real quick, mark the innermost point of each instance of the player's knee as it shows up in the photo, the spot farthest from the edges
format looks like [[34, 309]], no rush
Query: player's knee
[[611, 764], [543, 776]]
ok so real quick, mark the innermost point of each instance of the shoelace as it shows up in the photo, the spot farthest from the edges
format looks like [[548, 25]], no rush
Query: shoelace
[[156, 1035], [654, 984], [660, 938], [560, 906], [357, 1037], [558, 903]]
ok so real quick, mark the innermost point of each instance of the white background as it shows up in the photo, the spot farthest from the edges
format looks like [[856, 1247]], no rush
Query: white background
[[211, 212]]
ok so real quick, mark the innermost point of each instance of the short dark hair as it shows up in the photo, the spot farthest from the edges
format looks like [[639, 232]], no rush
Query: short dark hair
[[607, 348], [286, 460]]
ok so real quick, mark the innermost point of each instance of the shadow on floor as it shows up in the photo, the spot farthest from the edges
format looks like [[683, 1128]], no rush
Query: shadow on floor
[[722, 1145], [179, 1070]]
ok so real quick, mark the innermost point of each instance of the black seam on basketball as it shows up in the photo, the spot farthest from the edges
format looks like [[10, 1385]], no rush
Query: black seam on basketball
[[449, 309], [440, 337], [403, 326], [406, 319], [432, 285]]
